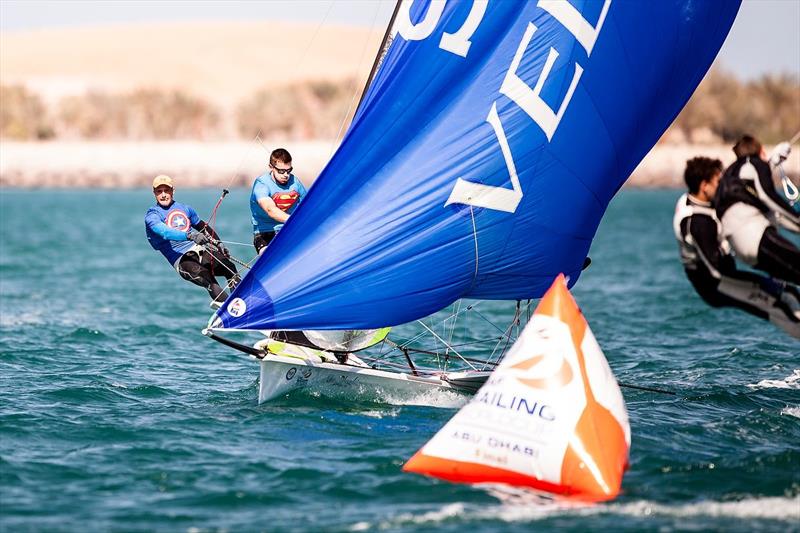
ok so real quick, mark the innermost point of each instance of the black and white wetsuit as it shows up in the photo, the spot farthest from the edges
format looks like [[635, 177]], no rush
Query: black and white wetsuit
[[712, 269], [749, 207]]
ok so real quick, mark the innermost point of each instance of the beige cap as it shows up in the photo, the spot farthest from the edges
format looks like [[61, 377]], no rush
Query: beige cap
[[162, 179]]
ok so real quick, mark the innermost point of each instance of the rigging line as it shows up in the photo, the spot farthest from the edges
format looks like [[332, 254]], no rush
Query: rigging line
[[475, 237], [240, 262], [314, 37], [260, 141], [506, 342], [648, 389], [483, 362], [505, 337], [422, 334], [244, 158], [416, 371], [408, 342], [451, 334], [790, 190], [472, 343], [236, 243], [384, 48], [394, 346], [507, 334], [439, 355], [445, 343], [233, 259], [214, 250], [257, 139], [353, 98], [212, 219], [404, 351], [495, 326], [215, 258], [460, 345]]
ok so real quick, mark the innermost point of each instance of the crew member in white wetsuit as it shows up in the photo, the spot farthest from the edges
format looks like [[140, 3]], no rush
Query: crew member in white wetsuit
[[749, 208], [706, 256]]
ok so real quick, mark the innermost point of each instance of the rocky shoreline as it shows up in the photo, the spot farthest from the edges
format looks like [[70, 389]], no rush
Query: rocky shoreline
[[235, 164]]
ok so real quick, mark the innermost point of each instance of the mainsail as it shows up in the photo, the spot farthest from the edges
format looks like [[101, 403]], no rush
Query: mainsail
[[481, 159]]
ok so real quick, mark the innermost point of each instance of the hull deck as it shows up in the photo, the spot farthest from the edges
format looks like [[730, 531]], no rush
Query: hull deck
[[281, 375]]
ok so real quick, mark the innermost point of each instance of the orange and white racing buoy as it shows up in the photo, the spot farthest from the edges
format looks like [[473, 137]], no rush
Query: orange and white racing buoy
[[550, 417]]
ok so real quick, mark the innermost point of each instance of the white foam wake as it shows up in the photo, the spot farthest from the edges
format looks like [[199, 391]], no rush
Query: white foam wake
[[789, 382], [775, 508], [783, 509], [791, 411], [440, 398]]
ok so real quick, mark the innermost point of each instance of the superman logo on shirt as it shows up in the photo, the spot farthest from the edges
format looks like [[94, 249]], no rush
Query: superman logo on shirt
[[285, 200]]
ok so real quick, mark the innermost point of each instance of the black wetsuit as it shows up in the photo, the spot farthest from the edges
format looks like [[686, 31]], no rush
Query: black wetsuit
[[707, 263], [202, 269], [261, 240], [754, 190]]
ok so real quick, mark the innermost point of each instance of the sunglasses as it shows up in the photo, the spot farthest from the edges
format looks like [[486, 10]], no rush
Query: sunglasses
[[282, 171]]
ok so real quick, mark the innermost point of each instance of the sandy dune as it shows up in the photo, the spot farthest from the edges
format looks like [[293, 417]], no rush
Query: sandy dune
[[221, 61]]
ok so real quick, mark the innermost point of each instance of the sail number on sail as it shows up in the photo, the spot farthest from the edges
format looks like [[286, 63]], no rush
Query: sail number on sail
[[528, 98]]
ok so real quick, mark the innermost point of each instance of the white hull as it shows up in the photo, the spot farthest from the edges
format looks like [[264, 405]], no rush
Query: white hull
[[281, 375]]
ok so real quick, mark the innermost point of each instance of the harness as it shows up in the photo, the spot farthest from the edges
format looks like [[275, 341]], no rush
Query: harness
[[686, 208]]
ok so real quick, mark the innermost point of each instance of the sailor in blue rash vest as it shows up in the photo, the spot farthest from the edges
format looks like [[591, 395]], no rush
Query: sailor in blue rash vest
[[275, 196], [711, 268], [188, 243], [750, 209]]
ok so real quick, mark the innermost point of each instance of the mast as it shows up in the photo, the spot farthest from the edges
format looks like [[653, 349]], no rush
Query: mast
[[380, 54]]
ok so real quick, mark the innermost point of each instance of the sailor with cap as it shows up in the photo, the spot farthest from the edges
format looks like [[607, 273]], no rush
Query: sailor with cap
[[188, 243]]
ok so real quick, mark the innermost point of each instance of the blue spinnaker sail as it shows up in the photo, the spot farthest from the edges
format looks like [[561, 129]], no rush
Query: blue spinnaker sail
[[482, 159]]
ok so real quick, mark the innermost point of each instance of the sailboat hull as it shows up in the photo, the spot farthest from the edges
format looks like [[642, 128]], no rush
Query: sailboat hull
[[281, 375]]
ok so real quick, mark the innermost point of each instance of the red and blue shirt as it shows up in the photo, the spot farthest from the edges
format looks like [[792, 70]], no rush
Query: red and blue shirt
[[167, 228], [286, 197]]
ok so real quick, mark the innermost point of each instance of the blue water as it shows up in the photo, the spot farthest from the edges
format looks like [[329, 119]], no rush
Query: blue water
[[117, 415]]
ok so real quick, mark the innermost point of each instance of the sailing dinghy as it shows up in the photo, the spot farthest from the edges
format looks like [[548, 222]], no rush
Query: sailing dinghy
[[478, 165], [446, 357]]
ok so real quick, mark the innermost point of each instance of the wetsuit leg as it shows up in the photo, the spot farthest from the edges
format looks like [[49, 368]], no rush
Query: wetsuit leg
[[760, 296], [261, 240], [219, 265], [230, 273], [735, 295], [778, 256], [191, 268]]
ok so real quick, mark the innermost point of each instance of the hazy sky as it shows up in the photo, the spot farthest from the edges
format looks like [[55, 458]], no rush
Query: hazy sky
[[764, 38]]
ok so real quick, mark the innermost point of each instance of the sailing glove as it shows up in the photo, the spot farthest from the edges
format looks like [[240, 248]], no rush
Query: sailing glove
[[780, 153], [198, 237]]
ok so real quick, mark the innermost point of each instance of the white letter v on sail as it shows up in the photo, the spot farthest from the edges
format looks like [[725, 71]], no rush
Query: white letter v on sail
[[480, 195]]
